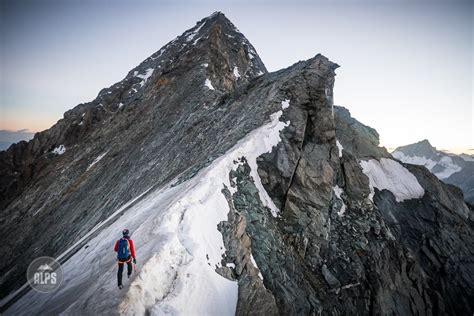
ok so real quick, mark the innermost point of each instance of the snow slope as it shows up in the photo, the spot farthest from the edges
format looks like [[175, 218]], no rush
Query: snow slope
[[177, 243], [391, 175]]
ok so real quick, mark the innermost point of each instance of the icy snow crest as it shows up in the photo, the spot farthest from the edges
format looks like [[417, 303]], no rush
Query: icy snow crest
[[391, 175], [177, 243]]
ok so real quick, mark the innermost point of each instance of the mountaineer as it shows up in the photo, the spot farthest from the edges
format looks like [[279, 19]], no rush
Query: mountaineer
[[125, 254]]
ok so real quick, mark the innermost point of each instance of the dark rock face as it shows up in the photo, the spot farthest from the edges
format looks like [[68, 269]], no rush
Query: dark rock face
[[436, 233], [363, 259], [464, 179], [332, 249], [356, 137], [254, 298]]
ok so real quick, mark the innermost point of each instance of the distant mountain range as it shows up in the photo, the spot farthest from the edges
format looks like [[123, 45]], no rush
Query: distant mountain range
[[448, 167], [8, 137]]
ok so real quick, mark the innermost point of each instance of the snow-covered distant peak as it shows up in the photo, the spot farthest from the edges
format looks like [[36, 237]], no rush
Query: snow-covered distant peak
[[467, 157], [415, 160], [439, 163]]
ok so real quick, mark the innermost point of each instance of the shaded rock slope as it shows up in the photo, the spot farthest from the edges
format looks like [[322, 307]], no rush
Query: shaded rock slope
[[318, 219]]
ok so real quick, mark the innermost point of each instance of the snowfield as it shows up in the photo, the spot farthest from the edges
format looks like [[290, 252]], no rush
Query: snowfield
[[390, 175], [177, 244]]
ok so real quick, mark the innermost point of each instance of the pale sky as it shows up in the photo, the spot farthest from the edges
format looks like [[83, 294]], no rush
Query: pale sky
[[406, 66]]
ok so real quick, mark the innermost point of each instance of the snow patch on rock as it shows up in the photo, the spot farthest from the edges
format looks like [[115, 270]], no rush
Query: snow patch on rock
[[145, 76], [208, 84], [192, 34], [96, 160], [338, 191], [61, 149], [256, 266], [236, 72], [339, 148], [390, 175]]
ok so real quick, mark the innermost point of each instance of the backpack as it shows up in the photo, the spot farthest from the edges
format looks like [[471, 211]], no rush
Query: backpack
[[123, 249]]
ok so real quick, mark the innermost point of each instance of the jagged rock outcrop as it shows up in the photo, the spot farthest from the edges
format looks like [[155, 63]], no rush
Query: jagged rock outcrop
[[357, 138], [346, 229]]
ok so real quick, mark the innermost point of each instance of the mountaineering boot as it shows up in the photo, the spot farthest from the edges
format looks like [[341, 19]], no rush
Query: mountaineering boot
[[120, 287]]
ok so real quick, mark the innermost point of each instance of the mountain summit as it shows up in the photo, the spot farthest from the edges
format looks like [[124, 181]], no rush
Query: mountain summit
[[245, 192]]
